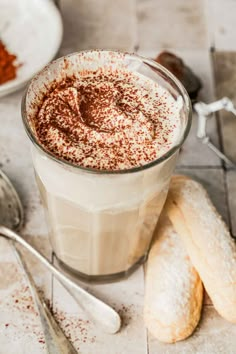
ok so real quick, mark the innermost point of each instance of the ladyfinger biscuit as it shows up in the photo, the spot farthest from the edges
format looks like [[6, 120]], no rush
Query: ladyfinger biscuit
[[173, 291], [207, 241]]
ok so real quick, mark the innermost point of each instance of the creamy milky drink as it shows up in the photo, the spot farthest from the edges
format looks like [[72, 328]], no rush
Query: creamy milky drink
[[106, 128]]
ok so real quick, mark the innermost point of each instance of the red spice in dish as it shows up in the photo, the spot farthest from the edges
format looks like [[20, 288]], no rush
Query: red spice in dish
[[8, 67]]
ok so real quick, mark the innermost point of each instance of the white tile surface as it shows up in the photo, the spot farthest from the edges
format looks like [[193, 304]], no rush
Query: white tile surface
[[152, 25], [171, 24], [221, 22], [103, 24]]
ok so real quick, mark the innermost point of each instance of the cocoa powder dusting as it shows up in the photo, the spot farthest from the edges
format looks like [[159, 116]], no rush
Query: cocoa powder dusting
[[107, 119], [18, 308], [76, 329]]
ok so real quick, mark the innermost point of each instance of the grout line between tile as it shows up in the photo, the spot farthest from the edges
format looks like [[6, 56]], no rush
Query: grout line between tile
[[227, 201], [147, 337], [210, 28], [52, 280], [136, 39], [221, 145]]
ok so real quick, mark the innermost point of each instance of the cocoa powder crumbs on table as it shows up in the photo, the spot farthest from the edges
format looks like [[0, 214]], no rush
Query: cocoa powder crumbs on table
[[77, 330], [41, 341], [126, 312], [20, 302]]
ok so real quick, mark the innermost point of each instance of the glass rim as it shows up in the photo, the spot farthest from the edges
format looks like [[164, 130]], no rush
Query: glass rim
[[162, 158]]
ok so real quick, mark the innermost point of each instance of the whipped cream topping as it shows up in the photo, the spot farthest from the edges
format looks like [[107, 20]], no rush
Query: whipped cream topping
[[108, 119]]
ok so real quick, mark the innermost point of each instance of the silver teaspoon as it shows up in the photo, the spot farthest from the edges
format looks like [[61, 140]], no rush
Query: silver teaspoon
[[11, 217]]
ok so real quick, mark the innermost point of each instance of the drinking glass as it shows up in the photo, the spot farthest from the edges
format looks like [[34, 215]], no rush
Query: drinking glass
[[101, 222]]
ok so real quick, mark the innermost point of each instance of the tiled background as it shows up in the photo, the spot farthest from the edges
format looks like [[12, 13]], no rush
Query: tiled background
[[203, 33]]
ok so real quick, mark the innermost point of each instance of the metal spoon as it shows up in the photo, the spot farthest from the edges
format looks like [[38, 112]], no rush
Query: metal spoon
[[11, 217]]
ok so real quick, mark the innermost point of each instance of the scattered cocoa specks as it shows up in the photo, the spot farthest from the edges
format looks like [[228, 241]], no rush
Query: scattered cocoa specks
[[77, 330], [22, 301], [41, 341], [19, 304], [126, 313]]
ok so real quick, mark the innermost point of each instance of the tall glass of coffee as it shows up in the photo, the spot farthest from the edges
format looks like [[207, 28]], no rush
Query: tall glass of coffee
[[106, 128]]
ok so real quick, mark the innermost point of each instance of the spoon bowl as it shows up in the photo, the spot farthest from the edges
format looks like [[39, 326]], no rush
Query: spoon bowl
[[11, 210]]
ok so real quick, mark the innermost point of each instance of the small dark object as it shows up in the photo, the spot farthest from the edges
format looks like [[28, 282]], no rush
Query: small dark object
[[177, 67]]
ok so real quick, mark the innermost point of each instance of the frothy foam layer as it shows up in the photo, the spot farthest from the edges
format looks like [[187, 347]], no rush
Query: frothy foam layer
[[109, 119]]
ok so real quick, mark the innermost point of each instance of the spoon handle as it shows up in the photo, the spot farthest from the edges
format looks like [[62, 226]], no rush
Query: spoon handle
[[98, 311], [56, 341]]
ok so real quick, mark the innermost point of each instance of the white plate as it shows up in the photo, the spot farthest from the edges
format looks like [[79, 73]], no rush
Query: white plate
[[31, 29]]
